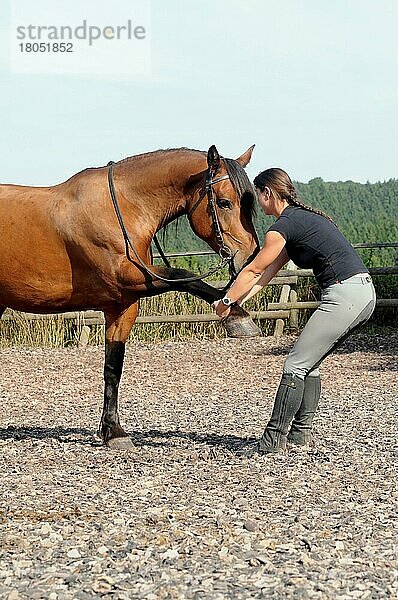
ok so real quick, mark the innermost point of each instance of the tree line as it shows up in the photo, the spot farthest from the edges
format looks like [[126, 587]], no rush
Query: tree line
[[363, 212]]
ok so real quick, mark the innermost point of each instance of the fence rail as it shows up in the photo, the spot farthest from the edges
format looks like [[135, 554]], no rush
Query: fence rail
[[288, 306], [366, 245]]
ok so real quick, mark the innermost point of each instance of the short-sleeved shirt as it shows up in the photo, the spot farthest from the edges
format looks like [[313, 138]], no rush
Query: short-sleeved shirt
[[314, 242]]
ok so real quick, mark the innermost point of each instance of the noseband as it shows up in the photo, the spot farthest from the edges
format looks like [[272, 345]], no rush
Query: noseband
[[225, 253]]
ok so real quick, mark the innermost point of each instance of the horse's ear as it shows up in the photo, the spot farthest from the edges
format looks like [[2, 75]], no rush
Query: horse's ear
[[213, 159], [246, 156]]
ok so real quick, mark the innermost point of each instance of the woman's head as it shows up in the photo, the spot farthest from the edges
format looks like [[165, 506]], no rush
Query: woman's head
[[275, 190], [278, 181]]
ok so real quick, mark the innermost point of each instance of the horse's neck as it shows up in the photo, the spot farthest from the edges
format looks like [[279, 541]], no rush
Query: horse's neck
[[163, 187]]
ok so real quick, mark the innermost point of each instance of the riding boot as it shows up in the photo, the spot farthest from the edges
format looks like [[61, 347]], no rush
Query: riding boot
[[287, 401], [300, 432]]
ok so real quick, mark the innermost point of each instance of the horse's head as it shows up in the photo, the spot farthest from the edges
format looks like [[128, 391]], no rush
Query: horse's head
[[222, 208]]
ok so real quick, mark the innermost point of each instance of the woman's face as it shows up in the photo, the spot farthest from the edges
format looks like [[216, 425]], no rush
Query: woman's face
[[265, 200], [270, 203]]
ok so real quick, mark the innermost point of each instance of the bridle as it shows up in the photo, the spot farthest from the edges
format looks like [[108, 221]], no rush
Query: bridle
[[224, 250], [225, 253]]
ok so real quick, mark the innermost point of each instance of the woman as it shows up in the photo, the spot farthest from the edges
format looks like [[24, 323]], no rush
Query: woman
[[311, 240]]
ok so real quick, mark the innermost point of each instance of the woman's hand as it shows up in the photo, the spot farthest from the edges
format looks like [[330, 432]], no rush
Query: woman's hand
[[222, 311], [249, 276]]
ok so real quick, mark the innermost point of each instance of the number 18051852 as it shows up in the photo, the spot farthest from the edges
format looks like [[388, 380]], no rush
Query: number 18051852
[[46, 47]]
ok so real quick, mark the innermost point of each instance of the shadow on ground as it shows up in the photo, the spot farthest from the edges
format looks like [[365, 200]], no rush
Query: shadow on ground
[[153, 437], [61, 434]]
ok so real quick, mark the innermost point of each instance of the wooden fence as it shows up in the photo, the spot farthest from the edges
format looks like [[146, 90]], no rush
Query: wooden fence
[[287, 307]]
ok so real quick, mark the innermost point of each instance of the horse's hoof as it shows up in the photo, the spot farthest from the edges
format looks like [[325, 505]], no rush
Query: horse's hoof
[[241, 327], [120, 443]]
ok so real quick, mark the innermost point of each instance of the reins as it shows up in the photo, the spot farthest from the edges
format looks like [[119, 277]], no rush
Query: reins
[[224, 252]]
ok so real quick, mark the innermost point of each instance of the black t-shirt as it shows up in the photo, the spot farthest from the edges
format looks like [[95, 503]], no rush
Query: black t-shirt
[[314, 242]]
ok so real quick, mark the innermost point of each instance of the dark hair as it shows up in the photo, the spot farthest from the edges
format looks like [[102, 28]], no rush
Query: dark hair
[[242, 186], [281, 184]]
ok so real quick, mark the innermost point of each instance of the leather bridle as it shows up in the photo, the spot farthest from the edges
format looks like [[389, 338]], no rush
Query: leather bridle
[[225, 253]]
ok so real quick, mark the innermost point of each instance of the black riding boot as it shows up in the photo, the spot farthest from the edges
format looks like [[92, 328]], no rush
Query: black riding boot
[[300, 432], [287, 401]]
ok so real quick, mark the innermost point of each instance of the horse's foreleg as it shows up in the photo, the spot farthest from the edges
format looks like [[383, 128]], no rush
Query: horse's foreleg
[[238, 323], [118, 324], [200, 289]]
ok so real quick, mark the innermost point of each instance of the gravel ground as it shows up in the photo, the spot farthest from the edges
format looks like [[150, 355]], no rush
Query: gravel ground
[[182, 515]]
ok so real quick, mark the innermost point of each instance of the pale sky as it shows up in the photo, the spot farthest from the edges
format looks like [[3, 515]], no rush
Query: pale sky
[[313, 83]]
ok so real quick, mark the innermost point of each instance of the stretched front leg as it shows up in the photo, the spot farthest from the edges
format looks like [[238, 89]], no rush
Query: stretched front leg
[[118, 324], [238, 323]]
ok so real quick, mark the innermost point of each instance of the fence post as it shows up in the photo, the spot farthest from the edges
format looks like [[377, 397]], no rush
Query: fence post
[[280, 323], [294, 313], [84, 336]]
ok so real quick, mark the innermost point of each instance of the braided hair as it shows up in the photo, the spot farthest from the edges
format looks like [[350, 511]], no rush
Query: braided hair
[[281, 184]]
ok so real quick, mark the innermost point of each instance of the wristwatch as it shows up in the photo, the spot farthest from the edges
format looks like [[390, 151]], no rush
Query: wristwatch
[[227, 301]]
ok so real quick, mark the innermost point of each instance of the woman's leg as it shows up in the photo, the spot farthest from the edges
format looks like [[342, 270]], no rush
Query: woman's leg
[[300, 431], [344, 307], [287, 402]]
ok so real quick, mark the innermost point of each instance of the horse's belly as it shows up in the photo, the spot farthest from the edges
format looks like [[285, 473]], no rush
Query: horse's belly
[[43, 286], [39, 271], [30, 289], [46, 292]]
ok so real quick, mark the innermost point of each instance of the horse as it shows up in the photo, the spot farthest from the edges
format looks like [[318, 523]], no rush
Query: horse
[[86, 244]]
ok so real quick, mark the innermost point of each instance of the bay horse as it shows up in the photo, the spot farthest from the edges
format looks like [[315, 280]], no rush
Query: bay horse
[[86, 244]]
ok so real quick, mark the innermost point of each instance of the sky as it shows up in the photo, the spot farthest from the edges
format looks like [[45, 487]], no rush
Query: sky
[[312, 83]]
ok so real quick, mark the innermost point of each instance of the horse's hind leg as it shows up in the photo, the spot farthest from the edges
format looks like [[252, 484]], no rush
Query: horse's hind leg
[[118, 324]]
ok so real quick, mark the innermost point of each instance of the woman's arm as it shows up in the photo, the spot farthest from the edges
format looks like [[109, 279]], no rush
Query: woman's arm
[[251, 275], [267, 275]]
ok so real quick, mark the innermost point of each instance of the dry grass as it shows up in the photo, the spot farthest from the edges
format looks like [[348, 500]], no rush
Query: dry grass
[[57, 332]]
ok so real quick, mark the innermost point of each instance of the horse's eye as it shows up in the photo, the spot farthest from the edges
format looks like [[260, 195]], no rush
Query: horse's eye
[[224, 203]]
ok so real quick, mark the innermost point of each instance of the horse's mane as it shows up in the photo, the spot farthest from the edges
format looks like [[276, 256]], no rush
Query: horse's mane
[[159, 152], [242, 186], [135, 157]]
